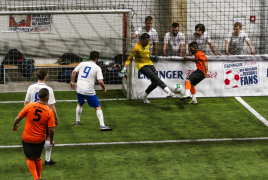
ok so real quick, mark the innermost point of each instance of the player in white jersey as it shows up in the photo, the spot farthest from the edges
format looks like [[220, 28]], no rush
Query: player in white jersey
[[174, 42], [234, 42], [202, 38], [32, 96], [151, 31], [88, 72]]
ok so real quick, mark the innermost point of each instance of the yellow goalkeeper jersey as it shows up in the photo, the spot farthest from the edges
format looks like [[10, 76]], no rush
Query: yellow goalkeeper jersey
[[141, 54]]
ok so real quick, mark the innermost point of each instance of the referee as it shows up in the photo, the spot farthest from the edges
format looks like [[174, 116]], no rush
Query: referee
[[39, 116], [144, 64]]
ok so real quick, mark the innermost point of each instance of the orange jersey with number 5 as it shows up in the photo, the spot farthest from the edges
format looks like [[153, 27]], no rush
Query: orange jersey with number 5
[[38, 118], [200, 58]]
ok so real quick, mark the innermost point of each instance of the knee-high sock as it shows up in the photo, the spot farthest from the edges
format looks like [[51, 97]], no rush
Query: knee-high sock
[[32, 167], [48, 150], [78, 112], [193, 93], [187, 85], [100, 117], [38, 164]]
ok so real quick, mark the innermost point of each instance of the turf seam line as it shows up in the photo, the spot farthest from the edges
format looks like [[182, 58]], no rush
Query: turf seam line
[[120, 99], [253, 111], [151, 142]]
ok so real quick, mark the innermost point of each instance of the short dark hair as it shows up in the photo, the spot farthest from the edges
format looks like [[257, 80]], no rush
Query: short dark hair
[[43, 93], [201, 27], [93, 55], [145, 36], [148, 18], [175, 24], [193, 44], [41, 73]]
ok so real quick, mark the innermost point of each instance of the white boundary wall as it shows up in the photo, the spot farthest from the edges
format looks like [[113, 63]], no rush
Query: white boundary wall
[[252, 72]]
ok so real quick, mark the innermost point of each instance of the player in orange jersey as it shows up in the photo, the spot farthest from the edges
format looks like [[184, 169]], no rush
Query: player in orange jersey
[[198, 75], [39, 116]]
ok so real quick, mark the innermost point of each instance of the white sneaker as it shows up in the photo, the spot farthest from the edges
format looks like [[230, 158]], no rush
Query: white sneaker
[[145, 100], [193, 102], [170, 95]]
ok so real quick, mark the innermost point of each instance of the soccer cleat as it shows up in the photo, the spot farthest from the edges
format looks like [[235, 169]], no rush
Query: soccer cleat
[[51, 162], [77, 123], [193, 102], [171, 95], [145, 100], [185, 97], [106, 128]]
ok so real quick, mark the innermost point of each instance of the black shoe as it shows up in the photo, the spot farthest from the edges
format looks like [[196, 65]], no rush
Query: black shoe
[[77, 123], [51, 162]]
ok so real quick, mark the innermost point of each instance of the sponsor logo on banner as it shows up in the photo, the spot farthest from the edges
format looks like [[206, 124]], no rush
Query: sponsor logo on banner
[[210, 74], [30, 23], [241, 74], [164, 75]]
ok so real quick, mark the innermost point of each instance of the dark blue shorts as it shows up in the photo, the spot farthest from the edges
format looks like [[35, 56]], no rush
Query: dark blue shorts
[[92, 100]]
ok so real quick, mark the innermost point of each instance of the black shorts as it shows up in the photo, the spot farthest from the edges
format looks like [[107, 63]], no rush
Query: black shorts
[[196, 77], [31, 149]]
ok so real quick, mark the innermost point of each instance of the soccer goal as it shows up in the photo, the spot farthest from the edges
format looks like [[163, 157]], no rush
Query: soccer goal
[[58, 40]]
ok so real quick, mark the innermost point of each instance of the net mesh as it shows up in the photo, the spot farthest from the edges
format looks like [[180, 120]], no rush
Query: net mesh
[[217, 16]]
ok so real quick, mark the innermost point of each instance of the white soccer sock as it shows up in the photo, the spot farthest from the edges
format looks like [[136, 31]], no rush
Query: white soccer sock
[[100, 117], [187, 92], [145, 95], [194, 97], [167, 90], [48, 149], [78, 112]]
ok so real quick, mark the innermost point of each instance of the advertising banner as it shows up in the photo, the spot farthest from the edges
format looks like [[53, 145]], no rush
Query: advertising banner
[[235, 76]]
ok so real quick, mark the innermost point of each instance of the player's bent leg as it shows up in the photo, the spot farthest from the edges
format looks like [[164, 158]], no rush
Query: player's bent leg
[[48, 150], [99, 113], [78, 114]]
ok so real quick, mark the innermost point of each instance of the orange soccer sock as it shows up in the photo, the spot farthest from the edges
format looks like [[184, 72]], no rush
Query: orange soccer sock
[[32, 167], [192, 89], [38, 164], [187, 85]]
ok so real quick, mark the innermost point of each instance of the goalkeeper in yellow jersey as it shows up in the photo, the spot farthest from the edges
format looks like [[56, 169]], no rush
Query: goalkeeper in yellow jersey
[[144, 64]]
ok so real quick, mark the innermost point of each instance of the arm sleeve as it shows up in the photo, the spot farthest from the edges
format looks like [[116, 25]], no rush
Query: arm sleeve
[[99, 74], [77, 68], [166, 38], [131, 55], [51, 120], [28, 95], [51, 99], [228, 37], [246, 37], [209, 39], [24, 111]]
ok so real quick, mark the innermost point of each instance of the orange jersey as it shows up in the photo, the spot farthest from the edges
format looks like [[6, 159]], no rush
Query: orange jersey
[[200, 58], [38, 118]]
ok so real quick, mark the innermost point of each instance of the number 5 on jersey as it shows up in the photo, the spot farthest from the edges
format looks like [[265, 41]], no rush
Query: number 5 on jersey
[[86, 71]]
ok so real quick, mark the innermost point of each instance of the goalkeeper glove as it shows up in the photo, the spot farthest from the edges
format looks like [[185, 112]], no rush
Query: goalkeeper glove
[[154, 58], [123, 72]]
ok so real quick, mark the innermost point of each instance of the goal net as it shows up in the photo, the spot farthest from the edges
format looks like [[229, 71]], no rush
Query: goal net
[[58, 41]]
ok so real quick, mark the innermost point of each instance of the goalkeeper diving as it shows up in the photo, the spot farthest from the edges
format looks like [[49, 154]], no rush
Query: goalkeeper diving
[[143, 61]]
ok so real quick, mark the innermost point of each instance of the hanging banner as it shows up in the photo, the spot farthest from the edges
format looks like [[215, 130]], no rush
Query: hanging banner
[[228, 76], [40, 23]]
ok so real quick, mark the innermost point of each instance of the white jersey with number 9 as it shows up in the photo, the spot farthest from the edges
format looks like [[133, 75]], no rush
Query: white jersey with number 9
[[88, 72]]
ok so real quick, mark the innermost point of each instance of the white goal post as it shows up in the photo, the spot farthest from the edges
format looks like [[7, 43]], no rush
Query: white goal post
[[70, 31]]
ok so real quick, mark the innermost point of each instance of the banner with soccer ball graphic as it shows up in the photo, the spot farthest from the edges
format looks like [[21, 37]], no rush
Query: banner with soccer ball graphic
[[228, 76]]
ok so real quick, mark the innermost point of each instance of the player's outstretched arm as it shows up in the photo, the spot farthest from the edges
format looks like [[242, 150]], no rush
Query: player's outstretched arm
[[189, 59], [72, 80], [16, 122], [206, 69], [102, 85], [52, 106], [51, 135]]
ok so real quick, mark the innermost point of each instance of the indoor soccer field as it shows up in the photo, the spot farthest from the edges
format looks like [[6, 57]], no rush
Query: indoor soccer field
[[167, 139]]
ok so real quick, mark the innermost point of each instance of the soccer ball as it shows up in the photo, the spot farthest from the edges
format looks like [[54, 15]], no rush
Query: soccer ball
[[177, 88], [20, 18], [231, 79]]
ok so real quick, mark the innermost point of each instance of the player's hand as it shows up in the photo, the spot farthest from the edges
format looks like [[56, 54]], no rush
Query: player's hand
[[56, 123], [215, 53], [123, 72], [208, 75], [185, 57], [71, 85], [253, 54], [164, 54], [154, 58], [15, 127], [228, 54], [52, 143]]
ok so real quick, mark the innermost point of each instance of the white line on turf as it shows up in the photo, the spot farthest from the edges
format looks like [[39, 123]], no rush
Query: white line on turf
[[121, 99], [255, 113], [151, 142]]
